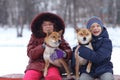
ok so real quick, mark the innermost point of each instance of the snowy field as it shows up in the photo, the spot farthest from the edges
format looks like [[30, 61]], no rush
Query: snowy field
[[13, 58]]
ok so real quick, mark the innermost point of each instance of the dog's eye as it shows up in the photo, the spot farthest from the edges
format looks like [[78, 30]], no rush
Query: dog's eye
[[53, 36], [87, 33], [81, 34]]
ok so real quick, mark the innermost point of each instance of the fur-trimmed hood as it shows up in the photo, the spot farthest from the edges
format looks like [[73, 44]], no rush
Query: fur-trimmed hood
[[36, 27]]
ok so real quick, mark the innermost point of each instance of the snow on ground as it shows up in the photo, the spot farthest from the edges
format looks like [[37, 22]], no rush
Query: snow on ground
[[13, 56]]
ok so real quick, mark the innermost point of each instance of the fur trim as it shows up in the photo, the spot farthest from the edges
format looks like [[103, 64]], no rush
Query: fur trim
[[38, 20]]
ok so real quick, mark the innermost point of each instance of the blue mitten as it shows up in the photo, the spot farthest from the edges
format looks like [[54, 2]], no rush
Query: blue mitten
[[57, 54]]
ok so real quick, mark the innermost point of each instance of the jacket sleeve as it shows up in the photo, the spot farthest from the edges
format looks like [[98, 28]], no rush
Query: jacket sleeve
[[65, 47], [102, 53], [34, 48]]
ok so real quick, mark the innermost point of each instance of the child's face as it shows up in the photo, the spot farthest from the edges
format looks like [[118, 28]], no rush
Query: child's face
[[47, 26], [95, 29]]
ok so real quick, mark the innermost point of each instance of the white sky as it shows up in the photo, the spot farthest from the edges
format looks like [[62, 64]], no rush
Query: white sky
[[13, 58]]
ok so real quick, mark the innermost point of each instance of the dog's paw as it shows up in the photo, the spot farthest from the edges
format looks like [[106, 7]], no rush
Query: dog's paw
[[69, 77], [87, 70], [77, 79], [45, 73]]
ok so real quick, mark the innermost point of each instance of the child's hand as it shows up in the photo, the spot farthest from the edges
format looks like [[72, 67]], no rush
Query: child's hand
[[57, 55]]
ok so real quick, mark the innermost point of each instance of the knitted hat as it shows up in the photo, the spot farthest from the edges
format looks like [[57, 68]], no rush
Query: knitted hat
[[92, 20]]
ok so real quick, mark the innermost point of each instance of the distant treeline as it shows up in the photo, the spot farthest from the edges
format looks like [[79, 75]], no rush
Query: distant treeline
[[17, 12]]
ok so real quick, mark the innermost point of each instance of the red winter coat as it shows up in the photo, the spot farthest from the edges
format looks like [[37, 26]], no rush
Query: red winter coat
[[35, 49]]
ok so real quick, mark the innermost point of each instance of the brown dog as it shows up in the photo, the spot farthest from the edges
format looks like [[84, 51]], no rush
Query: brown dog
[[52, 41], [84, 37]]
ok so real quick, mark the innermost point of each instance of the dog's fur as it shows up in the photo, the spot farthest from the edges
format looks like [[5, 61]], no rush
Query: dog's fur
[[52, 41], [84, 37]]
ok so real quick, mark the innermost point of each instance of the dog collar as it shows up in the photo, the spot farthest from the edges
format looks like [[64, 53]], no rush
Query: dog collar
[[84, 44], [49, 45]]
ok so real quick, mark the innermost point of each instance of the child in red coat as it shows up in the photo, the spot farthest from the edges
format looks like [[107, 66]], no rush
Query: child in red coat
[[40, 25]]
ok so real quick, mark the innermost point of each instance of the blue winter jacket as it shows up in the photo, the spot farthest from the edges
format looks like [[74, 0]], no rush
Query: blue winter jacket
[[100, 56]]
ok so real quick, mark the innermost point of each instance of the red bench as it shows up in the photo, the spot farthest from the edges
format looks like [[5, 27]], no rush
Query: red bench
[[20, 76]]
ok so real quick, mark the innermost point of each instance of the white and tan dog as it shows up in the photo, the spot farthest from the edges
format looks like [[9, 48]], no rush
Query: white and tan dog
[[84, 37], [52, 41]]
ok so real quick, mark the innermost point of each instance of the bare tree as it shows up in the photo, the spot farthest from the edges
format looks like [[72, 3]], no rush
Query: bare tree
[[72, 11], [3, 12], [75, 12], [115, 12]]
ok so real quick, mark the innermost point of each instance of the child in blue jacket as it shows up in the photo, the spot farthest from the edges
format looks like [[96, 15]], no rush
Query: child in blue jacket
[[100, 56]]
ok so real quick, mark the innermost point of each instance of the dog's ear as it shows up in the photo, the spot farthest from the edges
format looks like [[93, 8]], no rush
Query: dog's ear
[[77, 29], [61, 32]]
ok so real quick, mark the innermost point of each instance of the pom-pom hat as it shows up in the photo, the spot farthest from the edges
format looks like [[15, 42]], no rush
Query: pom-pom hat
[[94, 19]]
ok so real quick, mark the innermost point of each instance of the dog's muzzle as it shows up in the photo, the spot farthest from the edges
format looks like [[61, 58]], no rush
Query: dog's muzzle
[[84, 39]]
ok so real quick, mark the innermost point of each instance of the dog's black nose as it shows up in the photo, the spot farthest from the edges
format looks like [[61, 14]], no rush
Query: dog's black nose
[[84, 38]]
